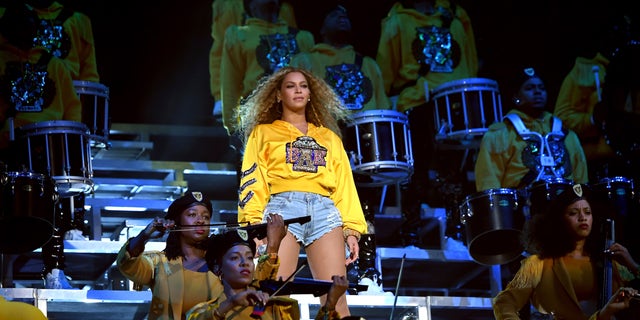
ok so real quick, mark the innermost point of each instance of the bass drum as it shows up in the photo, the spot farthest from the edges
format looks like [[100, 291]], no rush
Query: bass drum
[[27, 210], [493, 226]]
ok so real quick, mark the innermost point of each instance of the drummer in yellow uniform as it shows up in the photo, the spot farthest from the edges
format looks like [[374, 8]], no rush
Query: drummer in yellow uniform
[[264, 44], [357, 79], [226, 13], [423, 44], [52, 96], [73, 43], [530, 144], [44, 47]]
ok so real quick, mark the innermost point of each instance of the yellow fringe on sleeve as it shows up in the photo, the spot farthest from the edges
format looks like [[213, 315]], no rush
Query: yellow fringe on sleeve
[[529, 274]]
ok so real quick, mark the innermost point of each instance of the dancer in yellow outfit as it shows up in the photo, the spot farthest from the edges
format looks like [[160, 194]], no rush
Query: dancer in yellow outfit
[[295, 165], [356, 78]]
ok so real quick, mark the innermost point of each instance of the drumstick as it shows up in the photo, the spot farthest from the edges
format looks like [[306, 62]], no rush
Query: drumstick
[[259, 230], [12, 136], [426, 91], [596, 70]]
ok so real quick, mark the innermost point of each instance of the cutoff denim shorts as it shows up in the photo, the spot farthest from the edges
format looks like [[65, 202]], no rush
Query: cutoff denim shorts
[[293, 204]]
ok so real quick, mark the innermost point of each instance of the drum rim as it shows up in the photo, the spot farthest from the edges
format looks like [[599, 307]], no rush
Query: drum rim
[[67, 185], [559, 181], [62, 126], [614, 179], [384, 164], [496, 191], [489, 83], [377, 111], [461, 134], [23, 174], [91, 87], [94, 84], [372, 116]]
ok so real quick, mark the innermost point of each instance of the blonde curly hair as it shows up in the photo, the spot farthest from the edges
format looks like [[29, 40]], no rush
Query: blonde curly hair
[[261, 106]]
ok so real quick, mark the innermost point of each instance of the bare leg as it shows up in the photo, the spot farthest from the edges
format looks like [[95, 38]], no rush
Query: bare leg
[[326, 258], [288, 253]]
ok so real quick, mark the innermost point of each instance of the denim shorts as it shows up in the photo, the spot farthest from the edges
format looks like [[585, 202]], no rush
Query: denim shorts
[[293, 204]]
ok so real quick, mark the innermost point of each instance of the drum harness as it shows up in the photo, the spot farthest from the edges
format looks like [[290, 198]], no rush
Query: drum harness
[[547, 160]]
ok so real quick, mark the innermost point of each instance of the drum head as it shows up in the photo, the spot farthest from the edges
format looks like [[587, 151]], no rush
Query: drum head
[[496, 247]]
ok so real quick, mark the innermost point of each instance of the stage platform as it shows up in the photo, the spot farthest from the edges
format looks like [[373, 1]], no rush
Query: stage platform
[[143, 171], [133, 305]]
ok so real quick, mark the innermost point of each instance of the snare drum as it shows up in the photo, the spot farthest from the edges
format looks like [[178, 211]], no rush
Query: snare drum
[[95, 110], [493, 226], [465, 108], [541, 193], [379, 144], [27, 210], [59, 149]]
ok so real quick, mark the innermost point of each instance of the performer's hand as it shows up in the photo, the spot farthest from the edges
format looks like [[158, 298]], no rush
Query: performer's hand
[[619, 301], [276, 231], [158, 227], [249, 297], [338, 288], [620, 253], [354, 248]]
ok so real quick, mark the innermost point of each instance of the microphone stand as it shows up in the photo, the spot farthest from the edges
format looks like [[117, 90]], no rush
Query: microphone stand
[[608, 266], [395, 299]]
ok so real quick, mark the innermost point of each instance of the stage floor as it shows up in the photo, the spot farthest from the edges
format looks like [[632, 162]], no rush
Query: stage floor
[[126, 305]]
